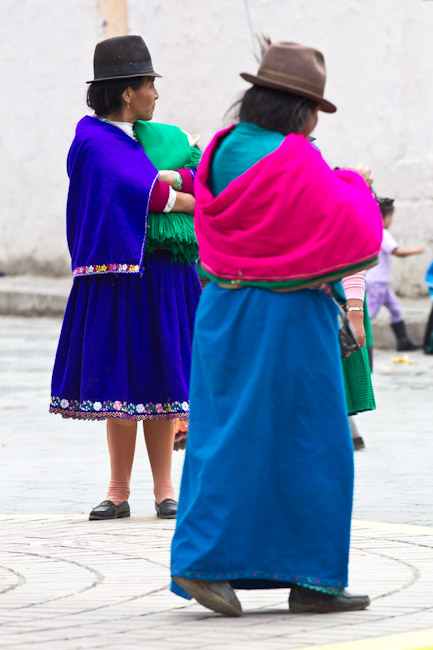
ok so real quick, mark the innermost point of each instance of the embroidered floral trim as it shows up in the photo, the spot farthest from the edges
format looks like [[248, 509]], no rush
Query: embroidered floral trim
[[95, 269], [88, 409], [311, 583]]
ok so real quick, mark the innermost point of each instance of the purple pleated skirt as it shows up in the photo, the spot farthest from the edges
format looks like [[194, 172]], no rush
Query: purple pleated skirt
[[125, 345]]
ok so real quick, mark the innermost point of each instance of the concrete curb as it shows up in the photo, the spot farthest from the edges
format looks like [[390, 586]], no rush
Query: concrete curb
[[45, 296], [415, 315], [33, 296]]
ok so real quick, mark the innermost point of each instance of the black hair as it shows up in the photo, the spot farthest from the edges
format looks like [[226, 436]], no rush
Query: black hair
[[386, 205], [105, 97], [276, 110]]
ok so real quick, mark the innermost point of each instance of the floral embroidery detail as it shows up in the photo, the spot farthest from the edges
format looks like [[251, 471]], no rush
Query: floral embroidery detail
[[302, 581], [95, 269], [88, 409]]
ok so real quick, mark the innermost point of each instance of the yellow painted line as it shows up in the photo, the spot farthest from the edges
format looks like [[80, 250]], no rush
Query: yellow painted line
[[398, 528], [422, 640]]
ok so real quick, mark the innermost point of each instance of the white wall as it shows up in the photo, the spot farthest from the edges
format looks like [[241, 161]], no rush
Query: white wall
[[380, 72], [46, 51]]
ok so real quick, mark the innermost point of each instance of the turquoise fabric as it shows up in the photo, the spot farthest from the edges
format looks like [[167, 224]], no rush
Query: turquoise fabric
[[241, 149], [266, 492]]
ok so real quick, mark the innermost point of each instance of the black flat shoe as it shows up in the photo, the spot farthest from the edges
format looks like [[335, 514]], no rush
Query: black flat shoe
[[167, 509], [216, 595], [302, 600], [109, 510], [358, 443]]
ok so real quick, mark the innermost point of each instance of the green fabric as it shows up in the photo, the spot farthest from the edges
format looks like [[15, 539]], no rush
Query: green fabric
[[367, 326], [195, 158], [295, 284], [357, 375], [201, 274], [167, 147]]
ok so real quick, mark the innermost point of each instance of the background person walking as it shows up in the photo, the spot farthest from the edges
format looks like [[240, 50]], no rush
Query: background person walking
[[379, 278]]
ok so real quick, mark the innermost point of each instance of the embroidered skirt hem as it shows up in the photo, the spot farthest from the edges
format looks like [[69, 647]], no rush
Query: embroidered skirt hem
[[125, 346], [259, 580], [83, 415]]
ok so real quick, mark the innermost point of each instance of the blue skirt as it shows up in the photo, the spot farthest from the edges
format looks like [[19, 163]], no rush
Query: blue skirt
[[125, 344], [267, 485]]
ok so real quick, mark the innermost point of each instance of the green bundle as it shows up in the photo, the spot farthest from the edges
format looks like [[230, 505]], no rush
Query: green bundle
[[167, 147]]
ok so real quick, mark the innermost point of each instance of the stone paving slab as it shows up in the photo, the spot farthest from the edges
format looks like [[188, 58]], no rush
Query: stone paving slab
[[67, 583]]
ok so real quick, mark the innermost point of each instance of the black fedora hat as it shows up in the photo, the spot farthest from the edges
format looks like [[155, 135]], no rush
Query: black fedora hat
[[121, 57]]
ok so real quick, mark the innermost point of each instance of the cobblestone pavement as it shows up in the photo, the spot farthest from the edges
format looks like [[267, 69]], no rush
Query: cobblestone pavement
[[67, 584]]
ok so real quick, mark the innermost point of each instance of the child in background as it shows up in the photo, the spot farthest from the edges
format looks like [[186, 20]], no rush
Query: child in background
[[379, 278]]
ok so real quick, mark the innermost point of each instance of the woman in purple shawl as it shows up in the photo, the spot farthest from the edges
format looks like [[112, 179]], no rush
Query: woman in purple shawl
[[125, 348]]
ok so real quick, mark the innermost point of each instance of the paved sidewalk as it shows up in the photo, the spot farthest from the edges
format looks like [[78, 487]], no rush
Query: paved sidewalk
[[67, 583], [70, 584], [46, 296]]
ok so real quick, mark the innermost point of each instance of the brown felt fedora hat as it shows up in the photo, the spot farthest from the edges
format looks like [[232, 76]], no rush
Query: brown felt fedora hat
[[295, 68], [121, 57]]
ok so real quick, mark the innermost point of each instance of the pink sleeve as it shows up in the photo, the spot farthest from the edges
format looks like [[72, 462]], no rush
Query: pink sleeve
[[159, 196], [187, 179], [354, 286]]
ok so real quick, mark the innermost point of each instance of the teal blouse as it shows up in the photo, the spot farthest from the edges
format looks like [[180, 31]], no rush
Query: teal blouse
[[240, 150]]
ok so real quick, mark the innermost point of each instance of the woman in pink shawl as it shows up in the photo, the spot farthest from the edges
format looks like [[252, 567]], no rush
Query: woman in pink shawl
[[266, 494]]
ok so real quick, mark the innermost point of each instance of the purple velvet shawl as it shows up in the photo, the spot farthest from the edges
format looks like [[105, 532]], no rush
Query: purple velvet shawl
[[111, 180]]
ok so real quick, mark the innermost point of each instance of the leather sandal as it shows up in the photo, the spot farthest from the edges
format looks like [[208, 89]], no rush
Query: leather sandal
[[108, 510], [302, 600], [217, 595], [167, 509]]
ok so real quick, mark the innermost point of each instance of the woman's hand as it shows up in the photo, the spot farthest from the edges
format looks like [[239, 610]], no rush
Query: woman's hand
[[356, 319], [184, 203], [166, 176], [365, 172]]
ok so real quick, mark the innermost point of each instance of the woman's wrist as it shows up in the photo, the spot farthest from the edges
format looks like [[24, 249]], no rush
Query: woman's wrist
[[355, 307], [172, 178], [178, 183]]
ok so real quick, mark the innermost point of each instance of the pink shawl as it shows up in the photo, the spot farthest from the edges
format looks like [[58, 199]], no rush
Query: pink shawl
[[288, 219]]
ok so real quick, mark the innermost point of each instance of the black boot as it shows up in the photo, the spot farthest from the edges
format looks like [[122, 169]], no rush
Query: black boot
[[358, 442], [404, 343], [428, 337]]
